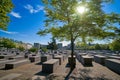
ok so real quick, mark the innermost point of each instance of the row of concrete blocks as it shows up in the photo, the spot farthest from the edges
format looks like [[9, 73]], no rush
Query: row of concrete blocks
[[3, 62], [17, 61], [111, 63], [45, 58], [13, 63]]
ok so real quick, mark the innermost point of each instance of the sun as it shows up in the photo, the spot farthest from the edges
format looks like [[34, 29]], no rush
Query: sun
[[81, 9]]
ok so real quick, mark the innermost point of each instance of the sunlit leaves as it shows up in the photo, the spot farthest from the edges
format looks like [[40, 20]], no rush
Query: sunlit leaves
[[5, 8], [93, 23]]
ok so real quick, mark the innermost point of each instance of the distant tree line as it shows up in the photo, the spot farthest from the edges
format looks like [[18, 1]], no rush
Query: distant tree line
[[114, 46], [10, 43]]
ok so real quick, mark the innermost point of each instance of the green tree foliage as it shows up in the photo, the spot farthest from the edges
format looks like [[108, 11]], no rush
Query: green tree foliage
[[21, 48], [5, 8], [117, 33], [44, 49], [33, 49], [65, 23], [7, 43], [97, 47], [104, 46], [115, 45], [52, 45]]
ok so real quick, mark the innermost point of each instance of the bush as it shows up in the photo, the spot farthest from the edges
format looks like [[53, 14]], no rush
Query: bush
[[33, 49], [21, 48], [115, 45]]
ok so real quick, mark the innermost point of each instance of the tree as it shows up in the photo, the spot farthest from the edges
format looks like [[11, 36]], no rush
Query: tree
[[21, 48], [64, 23], [5, 7], [97, 47], [44, 49], [33, 49], [115, 45], [52, 45], [7, 43]]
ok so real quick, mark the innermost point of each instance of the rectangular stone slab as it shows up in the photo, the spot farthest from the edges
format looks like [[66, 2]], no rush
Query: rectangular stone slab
[[113, 64], [86, 60], [50, 66], [45, 58], [99, 59], [114, 57], [16, 64], [6, 56], [34, 58], [60, 59], [70, 58], [2, 63]]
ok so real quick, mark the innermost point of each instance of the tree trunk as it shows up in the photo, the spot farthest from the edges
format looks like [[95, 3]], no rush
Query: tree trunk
[[72, 65]]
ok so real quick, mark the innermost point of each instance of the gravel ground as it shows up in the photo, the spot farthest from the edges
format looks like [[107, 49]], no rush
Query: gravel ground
[[95, 72]]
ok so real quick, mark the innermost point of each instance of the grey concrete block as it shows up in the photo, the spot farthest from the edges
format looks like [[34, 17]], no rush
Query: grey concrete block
[[113, 64], [45, 58], [114, 57], [60, 57], [2, 63], [50, 66], [100, 59], [16, 64], [86, 60], [34, 58], [70, 60]]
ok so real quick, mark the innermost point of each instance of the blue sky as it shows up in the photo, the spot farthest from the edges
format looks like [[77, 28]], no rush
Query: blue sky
[[27, 18]]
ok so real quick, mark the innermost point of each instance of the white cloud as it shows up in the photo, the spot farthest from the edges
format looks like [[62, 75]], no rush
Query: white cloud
[[8, 32], [17, 15], [31, 9]]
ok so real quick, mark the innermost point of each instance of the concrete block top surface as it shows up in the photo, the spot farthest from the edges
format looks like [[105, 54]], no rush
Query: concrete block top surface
[[70, 56], [18, 62], [114, 60], [86, 56], [114, 57], [58, 56], [100, 56], [45, 55], [6, 61], [7, 55], [51, 61], [34, 56], [82, 53]]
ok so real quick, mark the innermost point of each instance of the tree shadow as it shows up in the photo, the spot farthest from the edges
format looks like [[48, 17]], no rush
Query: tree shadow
[[102, 77], [41, 73], [87, 65], [85, 75], [68, 75], [39, 63]]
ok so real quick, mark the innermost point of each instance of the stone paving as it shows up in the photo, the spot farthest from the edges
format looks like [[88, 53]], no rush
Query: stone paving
[[33, 70]]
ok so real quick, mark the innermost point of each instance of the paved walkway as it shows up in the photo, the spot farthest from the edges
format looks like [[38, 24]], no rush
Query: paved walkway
[[95, 72], [31, 70], [11, 76]]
